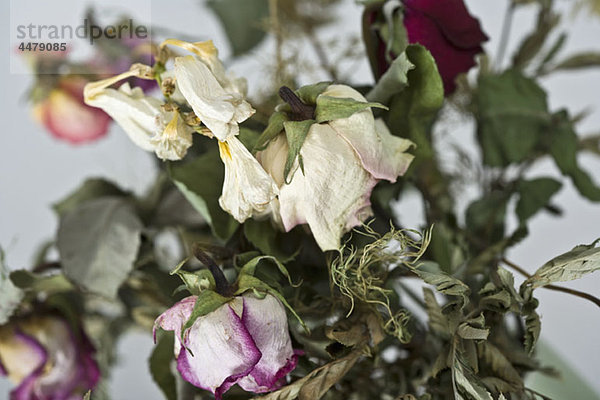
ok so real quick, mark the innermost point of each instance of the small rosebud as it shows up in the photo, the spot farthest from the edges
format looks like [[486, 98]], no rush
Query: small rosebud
[[245, 342], [46, 359]]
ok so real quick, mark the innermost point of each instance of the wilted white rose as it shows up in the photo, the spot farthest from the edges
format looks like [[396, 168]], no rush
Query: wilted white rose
[[343, 159]]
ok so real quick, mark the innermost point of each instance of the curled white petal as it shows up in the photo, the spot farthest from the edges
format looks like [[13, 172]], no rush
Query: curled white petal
[[381, 153], [139, 115], [248, 188], [219, 109]]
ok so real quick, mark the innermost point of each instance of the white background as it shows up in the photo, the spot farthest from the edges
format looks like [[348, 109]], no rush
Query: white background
[[36, 170]]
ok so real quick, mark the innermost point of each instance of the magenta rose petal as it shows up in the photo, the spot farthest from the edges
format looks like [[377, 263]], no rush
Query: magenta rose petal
[[453, 19], [266, 321], [33, 357], [175, 317], [220, 351]]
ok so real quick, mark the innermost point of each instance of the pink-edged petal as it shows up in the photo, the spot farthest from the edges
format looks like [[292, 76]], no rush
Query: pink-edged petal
[[3, 371], [330, 192], [453, 19], [266, 321], [67, 117], [380, 153], [450, 58], [175, 317], [220, 351], [32, 357]]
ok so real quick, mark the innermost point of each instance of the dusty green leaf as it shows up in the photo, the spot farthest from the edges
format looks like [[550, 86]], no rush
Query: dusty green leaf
[[445, 284], [98, 243], [207, 302], [393, 81], [10, 295], [241, 20], [309, 93], [269, 240], [467, 331], [530, 47], [91, 189], [413, 110], [512, 114], [28, 280], [160, 366], [330, 108], [314, 385], [467, 386], [485, 217], [274, 128], [438, 322], [201, 181], [578, 61], [563, 147], [582, 260], [534, 195], [295, 132], [500, 365]]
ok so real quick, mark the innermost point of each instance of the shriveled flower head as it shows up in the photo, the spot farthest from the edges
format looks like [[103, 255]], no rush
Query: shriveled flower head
[[340, 161], [67, 117], [245, 342], [47, 359]]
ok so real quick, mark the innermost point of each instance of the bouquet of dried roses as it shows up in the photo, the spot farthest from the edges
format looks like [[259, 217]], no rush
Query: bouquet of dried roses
[[297, 275]]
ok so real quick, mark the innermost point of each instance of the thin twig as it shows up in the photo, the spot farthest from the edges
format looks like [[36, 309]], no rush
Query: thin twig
[[573, 292], [276, 29], [321, 54], [504, 36]]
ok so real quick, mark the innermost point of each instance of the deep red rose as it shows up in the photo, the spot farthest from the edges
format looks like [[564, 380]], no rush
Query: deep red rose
[[445, 28]]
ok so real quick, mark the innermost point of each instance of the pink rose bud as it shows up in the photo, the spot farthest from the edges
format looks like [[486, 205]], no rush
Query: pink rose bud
[[67, 117], [245, 342], [46, 359]]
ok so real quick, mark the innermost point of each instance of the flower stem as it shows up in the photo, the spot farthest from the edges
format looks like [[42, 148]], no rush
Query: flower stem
[[222, 284], [300, 111]]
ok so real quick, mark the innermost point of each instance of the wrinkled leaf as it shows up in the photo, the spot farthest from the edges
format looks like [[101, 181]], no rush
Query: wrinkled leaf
[[309, 93], [582, 260], [98, 243], [207, 302], [438, 322], [500, 365], [578, 61], [268, 239], [314, 385], [445, 284]]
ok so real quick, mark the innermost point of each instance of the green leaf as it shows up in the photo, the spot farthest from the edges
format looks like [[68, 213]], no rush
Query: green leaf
[[500, 365], [314, 385], [485, 217], [578, 61], [201, 181], [438, 322], [393, 81], [295, 132], [207, 302], [268, 239], [534, 195], [534, 42], [160, 366], [582, 260], [466, 383], [467, 331], [10, 295], [413, 110], [47, 284], [98, 243], [330, 108], [274, 128], [563, 147], [445, 284], [91, 189], [195, 281], [512, 114], [241, 20], [309, 93]]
